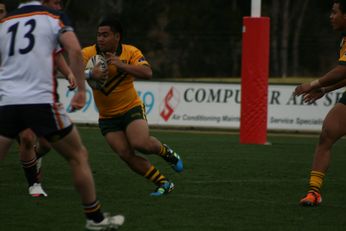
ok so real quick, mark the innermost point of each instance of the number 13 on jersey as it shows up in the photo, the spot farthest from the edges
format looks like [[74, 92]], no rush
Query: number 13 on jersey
[[25, 46]]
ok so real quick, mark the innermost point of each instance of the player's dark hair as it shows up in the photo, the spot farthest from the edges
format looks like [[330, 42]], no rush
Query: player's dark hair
[[10, 5], [113, 23], [342, 5]]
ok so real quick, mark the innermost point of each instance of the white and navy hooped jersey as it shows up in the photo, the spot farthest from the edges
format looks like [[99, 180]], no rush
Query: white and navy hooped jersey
[[28, 42]]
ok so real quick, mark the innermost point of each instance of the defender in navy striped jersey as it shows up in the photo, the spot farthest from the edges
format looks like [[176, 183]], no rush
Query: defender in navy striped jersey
[[28, 38], [31, 148]]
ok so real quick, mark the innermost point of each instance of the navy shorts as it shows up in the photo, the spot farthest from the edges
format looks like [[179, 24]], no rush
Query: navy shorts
[[45, 120], [119, 123]]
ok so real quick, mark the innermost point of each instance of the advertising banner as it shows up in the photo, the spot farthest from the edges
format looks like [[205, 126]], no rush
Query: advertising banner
[[212, 105]]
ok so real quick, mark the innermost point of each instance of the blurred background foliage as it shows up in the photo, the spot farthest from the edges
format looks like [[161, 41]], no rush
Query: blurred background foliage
[[203, 38]]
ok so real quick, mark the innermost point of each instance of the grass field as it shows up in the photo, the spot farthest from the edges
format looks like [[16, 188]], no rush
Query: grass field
[[225, 186]]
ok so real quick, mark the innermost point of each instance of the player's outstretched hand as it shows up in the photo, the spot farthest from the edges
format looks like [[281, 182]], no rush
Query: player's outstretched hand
[[312, 96], [302, 89]]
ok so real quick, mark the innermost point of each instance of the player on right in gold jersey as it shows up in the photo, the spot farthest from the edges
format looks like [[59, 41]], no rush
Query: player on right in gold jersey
[[334, 125], [122, 117]]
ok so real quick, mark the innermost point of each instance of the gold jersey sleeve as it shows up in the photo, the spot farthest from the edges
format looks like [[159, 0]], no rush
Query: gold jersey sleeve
[[342, 53], [118, 94]]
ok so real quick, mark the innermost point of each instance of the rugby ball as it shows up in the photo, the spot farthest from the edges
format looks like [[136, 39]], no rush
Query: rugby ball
[[92, 62]]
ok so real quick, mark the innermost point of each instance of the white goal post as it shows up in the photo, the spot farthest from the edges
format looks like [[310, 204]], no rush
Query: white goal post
[[255, 8]]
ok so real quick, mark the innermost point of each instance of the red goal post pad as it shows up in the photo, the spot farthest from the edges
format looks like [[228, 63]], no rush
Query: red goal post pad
[[254, 80]]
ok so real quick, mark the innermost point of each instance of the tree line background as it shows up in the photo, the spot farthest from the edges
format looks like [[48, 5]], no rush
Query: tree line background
[[203, 38]]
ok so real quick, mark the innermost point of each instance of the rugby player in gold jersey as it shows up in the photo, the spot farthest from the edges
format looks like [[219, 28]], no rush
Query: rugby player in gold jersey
[[334, 125], [122, 116]]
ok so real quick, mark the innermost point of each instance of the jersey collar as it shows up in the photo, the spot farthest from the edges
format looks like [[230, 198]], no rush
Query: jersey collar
[[119, 49], [118, 52]]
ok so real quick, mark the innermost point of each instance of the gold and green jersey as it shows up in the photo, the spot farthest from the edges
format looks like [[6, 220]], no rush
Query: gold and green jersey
[[118, 94], [342, 53]]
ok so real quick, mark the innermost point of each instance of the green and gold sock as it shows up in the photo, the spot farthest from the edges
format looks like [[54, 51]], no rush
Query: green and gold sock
[[316, 180], [155, 176], [163, 151]]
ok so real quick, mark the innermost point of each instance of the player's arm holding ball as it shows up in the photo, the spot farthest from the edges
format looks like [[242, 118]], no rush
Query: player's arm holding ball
[[138, 71], [99, 73]]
